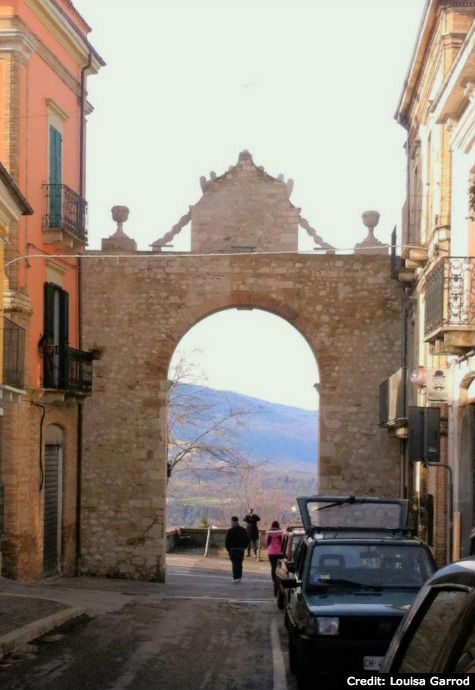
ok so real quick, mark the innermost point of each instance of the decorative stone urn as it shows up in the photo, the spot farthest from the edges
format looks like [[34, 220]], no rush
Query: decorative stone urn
[[120, 215], [370, 244], [119, 242]]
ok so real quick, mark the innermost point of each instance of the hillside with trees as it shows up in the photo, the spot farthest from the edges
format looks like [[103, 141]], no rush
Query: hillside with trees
[[228, 452]]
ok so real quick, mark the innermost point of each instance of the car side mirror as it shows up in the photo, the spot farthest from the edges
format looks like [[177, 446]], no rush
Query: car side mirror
[[290, 565]]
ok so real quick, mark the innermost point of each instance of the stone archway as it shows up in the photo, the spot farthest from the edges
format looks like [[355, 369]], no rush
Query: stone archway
[[139, 306]]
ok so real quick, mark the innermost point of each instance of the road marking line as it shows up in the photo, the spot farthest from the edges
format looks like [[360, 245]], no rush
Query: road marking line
[[192, 574], [236, 601], [278, 664]]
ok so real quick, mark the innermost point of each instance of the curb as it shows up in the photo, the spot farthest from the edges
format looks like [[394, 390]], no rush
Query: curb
[[21, 636]]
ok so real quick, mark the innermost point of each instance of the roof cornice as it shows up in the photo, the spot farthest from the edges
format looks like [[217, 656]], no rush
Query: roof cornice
[[66, 32], [423, 35]]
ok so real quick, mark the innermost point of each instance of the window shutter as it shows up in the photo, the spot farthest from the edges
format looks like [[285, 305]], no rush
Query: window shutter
[[55, 156], [49, 313], [55, 178], [64, 320]]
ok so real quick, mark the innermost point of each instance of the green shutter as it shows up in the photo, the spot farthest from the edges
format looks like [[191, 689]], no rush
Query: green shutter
[[55, 177]]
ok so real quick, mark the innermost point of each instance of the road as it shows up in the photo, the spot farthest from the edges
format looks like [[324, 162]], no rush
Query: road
[[198, 632]]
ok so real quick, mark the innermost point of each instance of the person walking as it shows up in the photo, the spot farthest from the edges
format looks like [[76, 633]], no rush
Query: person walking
[[252, 531], [236, 543], [274, 539]]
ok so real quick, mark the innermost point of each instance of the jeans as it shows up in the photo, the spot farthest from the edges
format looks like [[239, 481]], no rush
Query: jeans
[[273, 565], [237, 557], [253, 542]]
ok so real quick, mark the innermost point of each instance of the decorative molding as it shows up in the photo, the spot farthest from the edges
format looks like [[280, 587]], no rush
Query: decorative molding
[[313, 233], [56, 109], [16, 41], [469, 91], [55, 272], [43, 52], [73, 41], [184, 220]]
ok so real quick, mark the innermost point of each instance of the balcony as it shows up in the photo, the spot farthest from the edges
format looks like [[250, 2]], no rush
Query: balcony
[[13, 354], [67, 369], [65, 219], [450, 305]]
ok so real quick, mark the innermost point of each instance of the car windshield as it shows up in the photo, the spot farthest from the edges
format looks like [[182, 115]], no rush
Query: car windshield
[[373, 565], [365, 513]]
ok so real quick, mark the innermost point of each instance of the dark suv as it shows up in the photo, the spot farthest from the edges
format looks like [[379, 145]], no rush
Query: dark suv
[[356, 573], [293, 535]]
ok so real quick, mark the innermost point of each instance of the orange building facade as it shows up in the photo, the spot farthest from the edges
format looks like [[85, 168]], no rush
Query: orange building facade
[[45, 60]]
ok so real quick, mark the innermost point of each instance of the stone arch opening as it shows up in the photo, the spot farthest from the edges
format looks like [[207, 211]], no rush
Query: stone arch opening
[[240, 416]]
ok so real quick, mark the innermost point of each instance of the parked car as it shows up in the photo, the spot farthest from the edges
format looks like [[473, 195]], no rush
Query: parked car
[[438, 633], [293, 535], [353, 580]]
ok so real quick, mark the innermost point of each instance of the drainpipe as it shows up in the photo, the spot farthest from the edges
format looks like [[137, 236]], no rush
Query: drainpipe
[[82, 127], [78, 489]]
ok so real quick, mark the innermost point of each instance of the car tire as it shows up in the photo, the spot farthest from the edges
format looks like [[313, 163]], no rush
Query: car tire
[[292, 654], [280, 599]]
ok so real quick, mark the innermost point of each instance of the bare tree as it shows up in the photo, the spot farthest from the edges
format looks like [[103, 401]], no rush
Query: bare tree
[[203, 438]]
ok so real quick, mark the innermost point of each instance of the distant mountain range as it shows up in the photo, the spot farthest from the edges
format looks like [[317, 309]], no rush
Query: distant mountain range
[[280, 434]]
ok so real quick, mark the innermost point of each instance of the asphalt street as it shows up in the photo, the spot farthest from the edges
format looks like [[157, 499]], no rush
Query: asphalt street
[[200, 631]]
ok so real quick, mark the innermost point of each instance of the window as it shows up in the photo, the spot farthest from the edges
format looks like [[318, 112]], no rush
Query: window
[[56, 336], [380, 565], [435, 631]]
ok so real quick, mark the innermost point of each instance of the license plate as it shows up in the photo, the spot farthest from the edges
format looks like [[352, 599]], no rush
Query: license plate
[[372, 663]]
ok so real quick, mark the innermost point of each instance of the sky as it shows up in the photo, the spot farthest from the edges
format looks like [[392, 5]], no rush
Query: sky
[[309, 87]]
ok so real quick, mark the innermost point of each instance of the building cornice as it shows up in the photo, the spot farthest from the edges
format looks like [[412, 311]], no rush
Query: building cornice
[[17, 41], [422, 39], [418, 59], [36, 44], [452, 96], [66, 33]]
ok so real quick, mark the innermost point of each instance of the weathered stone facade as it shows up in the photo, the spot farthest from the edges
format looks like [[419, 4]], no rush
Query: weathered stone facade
[[25, 432], [138, 307]]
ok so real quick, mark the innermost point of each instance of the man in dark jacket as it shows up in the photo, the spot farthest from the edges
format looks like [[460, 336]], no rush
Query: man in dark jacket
[[236, 542], [252, 531]]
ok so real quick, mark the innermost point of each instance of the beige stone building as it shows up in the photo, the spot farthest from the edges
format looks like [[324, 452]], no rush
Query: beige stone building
[[437, 278]]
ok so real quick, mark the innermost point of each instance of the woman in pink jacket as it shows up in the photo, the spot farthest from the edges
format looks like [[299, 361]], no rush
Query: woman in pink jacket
[[274, 539]]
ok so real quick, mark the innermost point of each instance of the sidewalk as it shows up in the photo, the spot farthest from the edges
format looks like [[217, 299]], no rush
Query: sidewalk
[[28, 611], [24, 616]]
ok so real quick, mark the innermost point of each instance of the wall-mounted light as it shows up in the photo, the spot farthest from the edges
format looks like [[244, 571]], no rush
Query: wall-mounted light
[[419, 377]]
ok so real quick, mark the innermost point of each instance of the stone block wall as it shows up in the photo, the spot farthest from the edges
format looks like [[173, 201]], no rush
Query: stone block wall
[[22, 471], [137, 309], [244, 209]]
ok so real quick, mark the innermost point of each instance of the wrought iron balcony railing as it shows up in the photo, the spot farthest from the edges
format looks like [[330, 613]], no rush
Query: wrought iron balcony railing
[[450, 296], [13, 354], [67, 369], [65, 210]]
